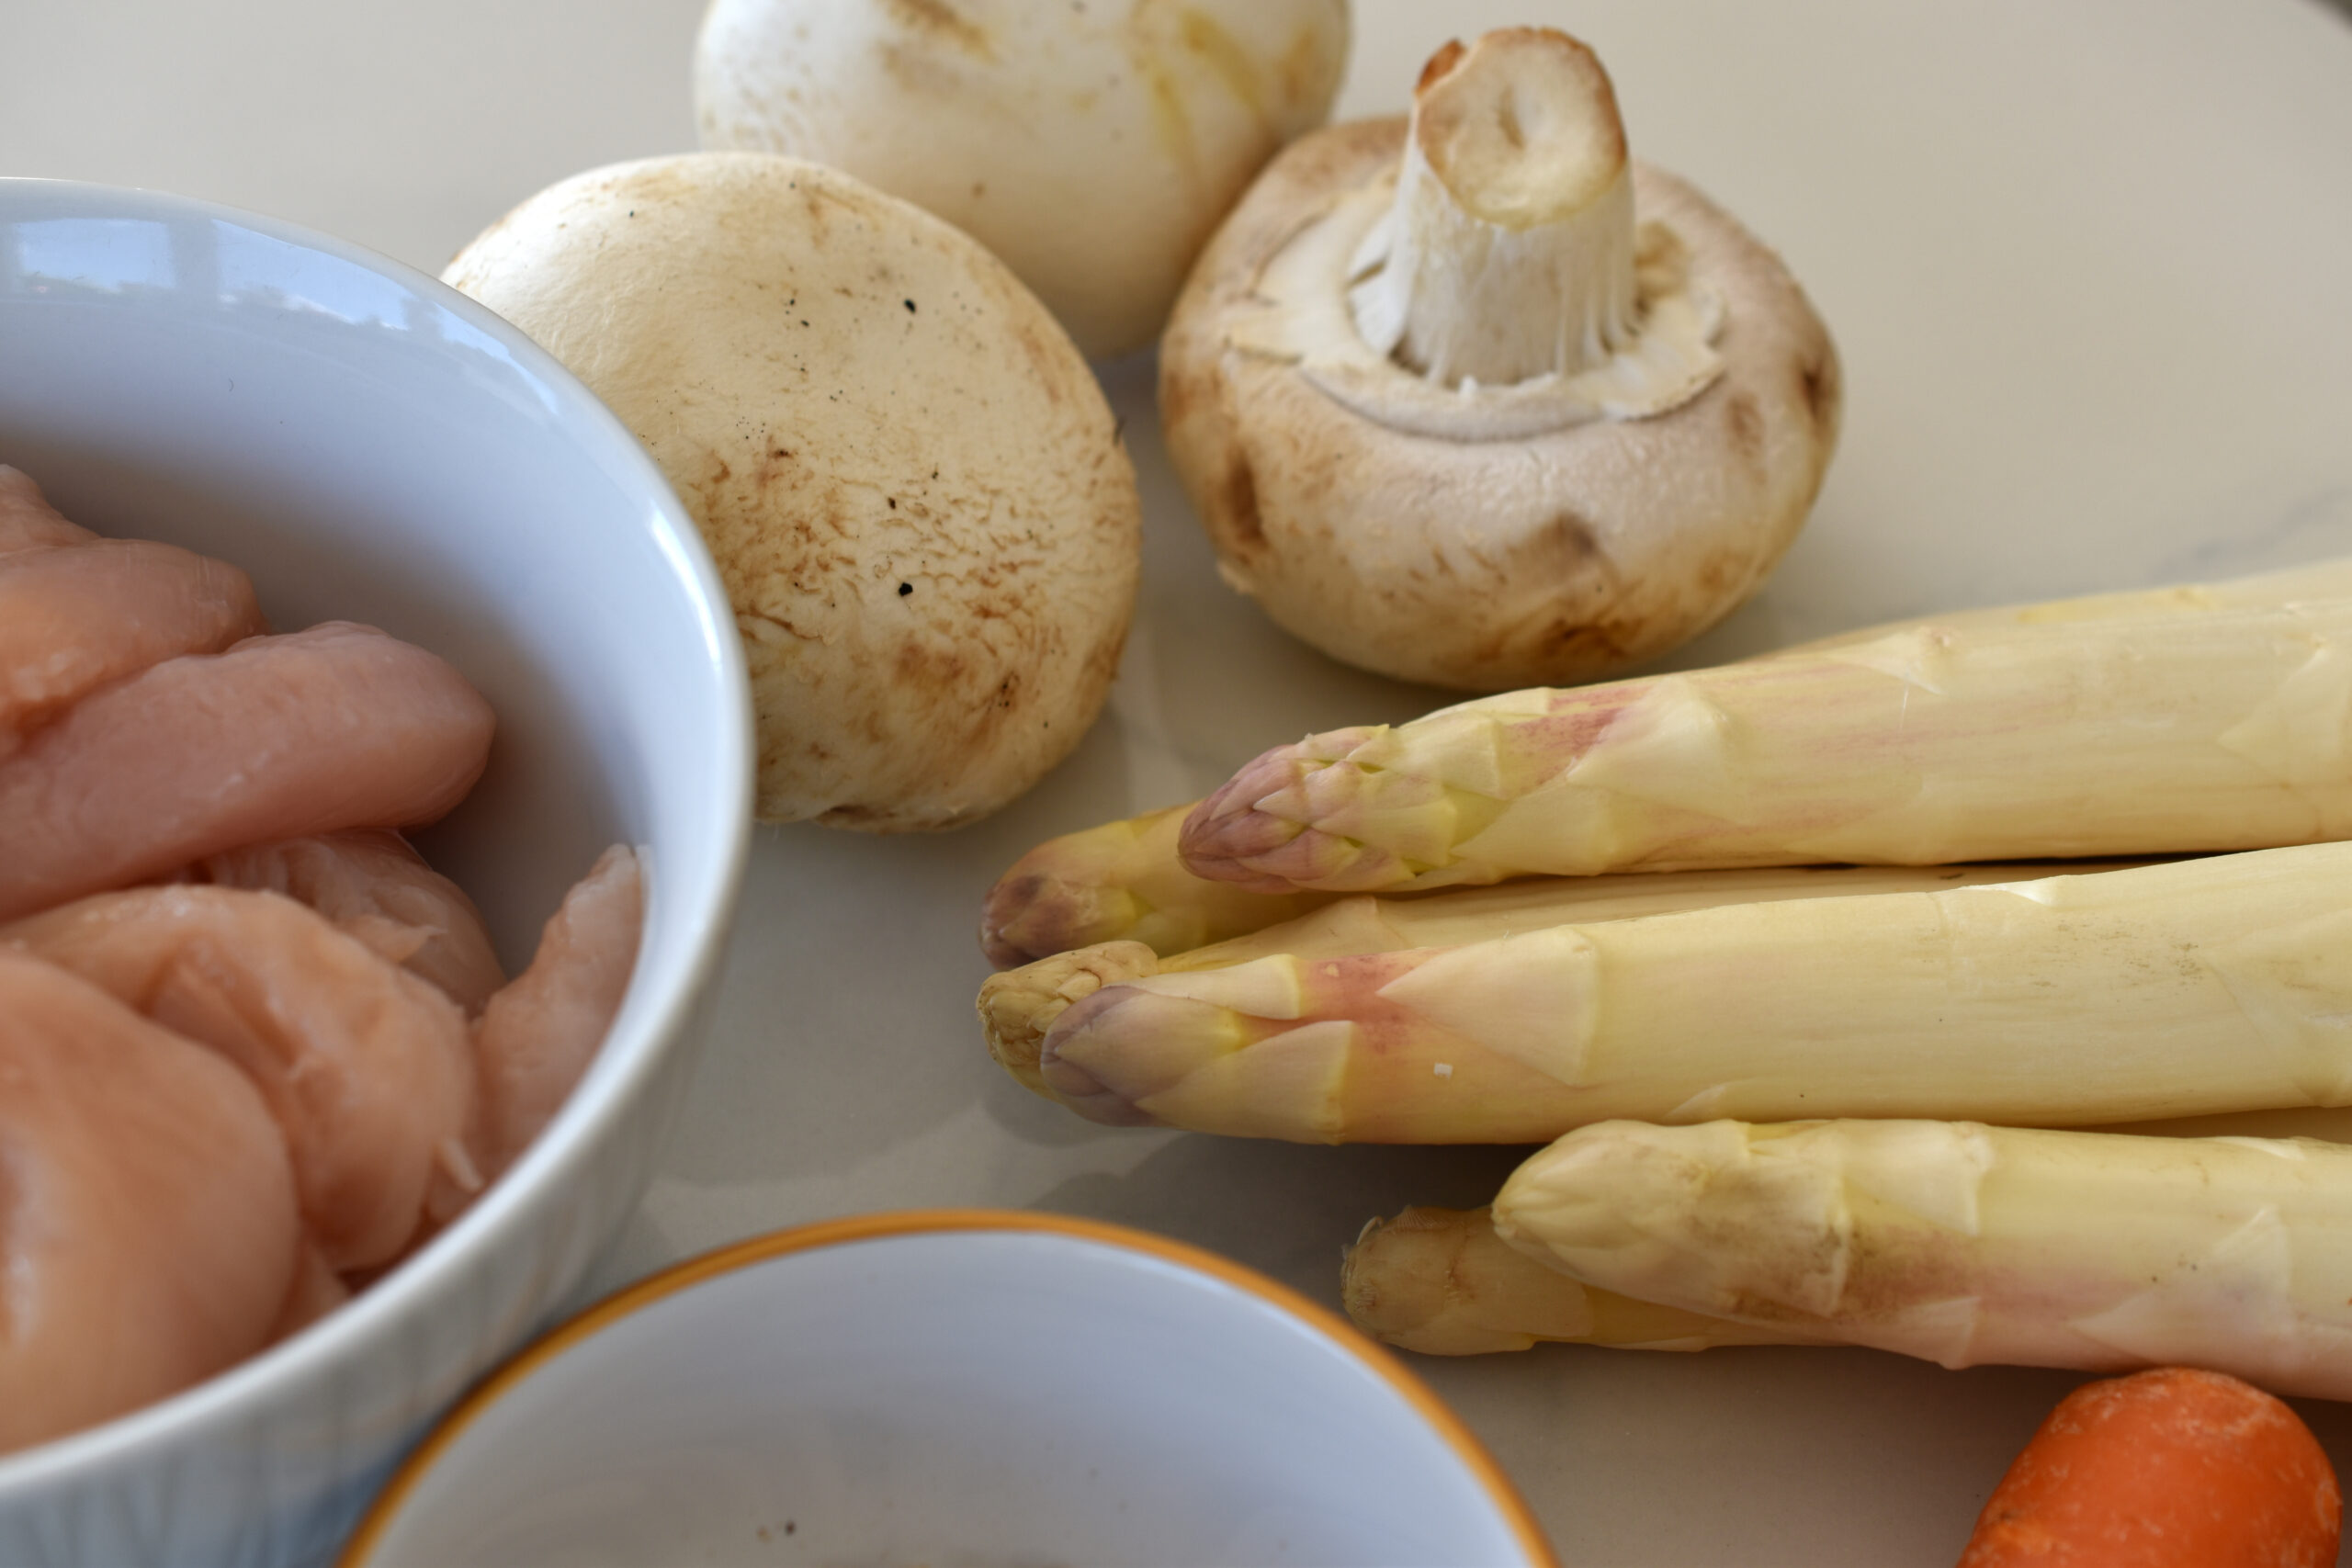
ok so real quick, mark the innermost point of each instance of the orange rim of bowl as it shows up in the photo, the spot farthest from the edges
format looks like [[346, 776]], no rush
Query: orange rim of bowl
[[679, 1276]]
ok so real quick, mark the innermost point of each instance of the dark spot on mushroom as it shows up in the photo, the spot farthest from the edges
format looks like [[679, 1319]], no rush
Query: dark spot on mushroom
[[1744, 428], [938, 22], [1593, 647], [924, 667], [1249, 530], [894, 503], [905, 588], [1819, 380], [1441, 63], [910, 305], [1566, 545], [1175, 399]]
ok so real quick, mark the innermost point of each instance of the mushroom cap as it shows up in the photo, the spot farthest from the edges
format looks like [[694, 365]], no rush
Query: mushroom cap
[[1486, 565], [1092, 147], [910, 479]]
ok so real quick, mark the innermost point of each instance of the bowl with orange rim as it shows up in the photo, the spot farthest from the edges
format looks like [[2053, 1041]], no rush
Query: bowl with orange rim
[[956, 1389]]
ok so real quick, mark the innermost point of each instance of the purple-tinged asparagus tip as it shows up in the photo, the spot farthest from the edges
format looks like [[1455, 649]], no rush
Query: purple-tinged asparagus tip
[[1228, 835], [1013, 895], [1075, 1087]]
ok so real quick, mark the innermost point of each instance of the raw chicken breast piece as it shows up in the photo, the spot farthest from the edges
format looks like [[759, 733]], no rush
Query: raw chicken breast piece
[[148, 1225], [279, 738], [74, 619], [538, 1035], [28, 522], [368, 1069], [375, 887], [317, 1290]]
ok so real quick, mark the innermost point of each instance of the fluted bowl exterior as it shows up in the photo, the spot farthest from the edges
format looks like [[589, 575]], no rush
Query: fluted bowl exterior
[[370, 446]]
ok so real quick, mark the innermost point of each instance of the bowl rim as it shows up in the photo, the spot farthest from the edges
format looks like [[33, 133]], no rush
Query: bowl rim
[[411, 1290], [383, 1511]]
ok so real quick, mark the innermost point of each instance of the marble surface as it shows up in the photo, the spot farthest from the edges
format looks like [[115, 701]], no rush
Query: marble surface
[[2086, 265]]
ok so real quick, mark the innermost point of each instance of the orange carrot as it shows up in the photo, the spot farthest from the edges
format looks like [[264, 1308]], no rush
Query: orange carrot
[[2164, 1469]]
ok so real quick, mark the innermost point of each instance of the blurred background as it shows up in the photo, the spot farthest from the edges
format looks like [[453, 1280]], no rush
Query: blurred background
[[409, 128]]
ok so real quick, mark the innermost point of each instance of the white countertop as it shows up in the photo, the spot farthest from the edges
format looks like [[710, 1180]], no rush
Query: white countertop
[[2088, 268]]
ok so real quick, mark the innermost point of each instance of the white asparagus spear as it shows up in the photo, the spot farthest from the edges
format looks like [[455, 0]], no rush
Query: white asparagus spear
[[1984, 738], [1967, 1244], [1441, 1282], [1018, 1005], [2199, 986], [1124, 880]]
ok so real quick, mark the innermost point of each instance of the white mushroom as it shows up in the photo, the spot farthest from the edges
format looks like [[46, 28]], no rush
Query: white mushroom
[[910, 479], [1450, 413], [1092, 144]]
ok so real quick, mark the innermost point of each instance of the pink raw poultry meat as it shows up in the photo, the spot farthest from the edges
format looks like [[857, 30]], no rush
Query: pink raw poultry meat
[[281, 736], [538, 1034], [370, 884], [76, 617], [148, 1227], [369, 1070], [28, 522]]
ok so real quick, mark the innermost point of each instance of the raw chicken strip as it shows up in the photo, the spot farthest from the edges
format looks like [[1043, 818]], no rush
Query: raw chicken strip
[[368, 1069], [317, 1290], [538, 1035], [148, 1228], [75, 618], [28, 522], [279, 738], [372, 886]]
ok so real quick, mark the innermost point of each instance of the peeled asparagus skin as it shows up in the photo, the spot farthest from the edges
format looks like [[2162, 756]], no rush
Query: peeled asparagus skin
[[148, 1226], [28, 522], [1118, 882], [372, 886], [368, 1069], [1017, 1006], [1440, 1282], [1984, 739], [280, 737], [75, 618], [538, 1036], [1968, 1245], [2187, 989]]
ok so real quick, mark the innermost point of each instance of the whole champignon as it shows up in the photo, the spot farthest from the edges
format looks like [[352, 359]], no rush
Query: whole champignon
[[910, 481], [1092, 146], [1451, 414]]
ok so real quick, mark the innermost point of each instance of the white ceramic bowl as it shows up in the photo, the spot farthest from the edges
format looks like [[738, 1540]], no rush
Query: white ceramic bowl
[[370, 446], [958, 1389]]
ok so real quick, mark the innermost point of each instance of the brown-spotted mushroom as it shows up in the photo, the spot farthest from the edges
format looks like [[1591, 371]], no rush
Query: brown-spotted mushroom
[[1092, 144], [1474, 400], [912, 486]]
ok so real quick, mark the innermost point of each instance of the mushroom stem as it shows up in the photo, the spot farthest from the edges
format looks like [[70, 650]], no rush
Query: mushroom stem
[[1509, 250]]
